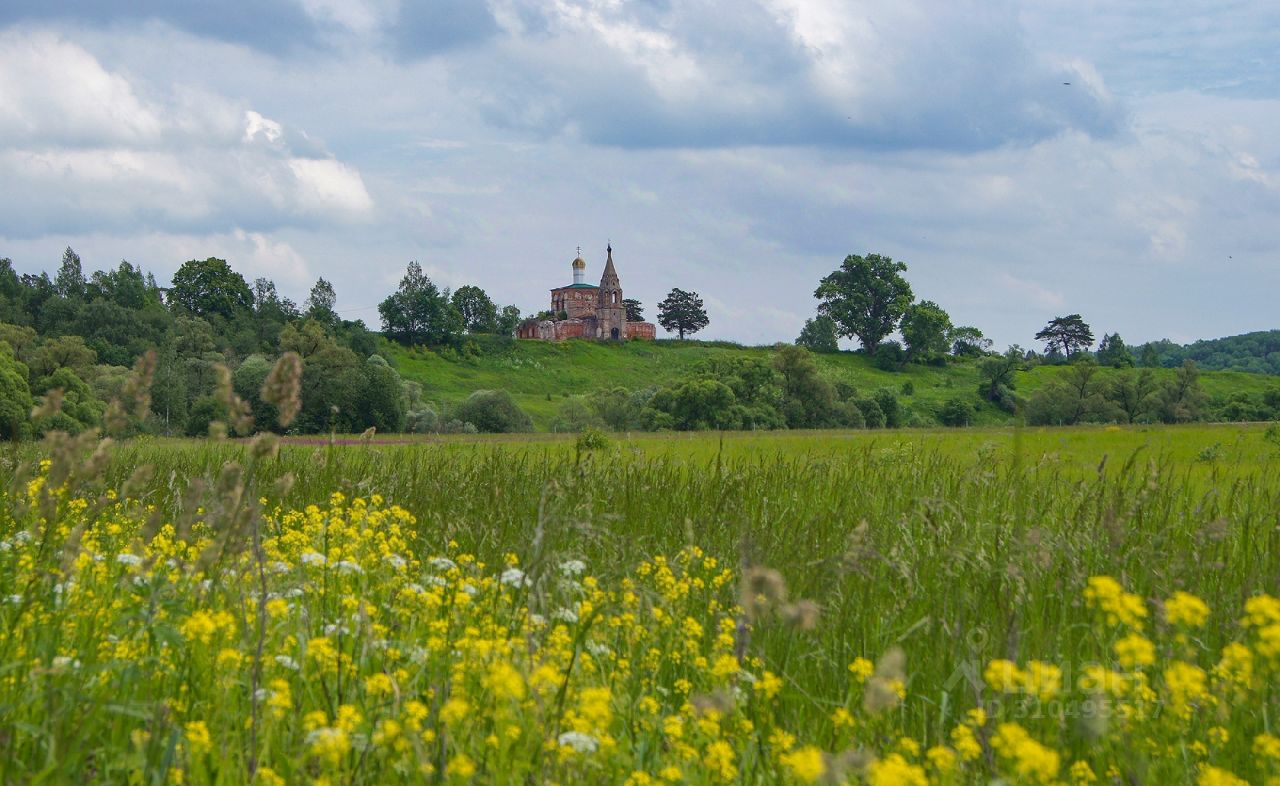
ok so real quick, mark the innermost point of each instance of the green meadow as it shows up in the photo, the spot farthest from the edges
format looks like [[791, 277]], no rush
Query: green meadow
[[893, 607]]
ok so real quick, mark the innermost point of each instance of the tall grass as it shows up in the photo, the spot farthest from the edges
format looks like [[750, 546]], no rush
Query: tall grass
[[957, 557]]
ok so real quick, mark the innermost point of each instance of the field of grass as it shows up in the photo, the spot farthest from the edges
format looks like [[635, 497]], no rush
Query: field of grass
[[794, 607], [539, 375]]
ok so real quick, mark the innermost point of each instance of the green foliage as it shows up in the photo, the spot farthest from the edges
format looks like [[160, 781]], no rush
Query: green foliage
[[808, 400], [576, 415], [381, 404], [479, 314], [1183, 399], [1256, 353], [890, 356], [493, 411], [591, 439], [69, 352], [419, 313], [15, 396], [968, 341], [1272, 435], [1077, 398], [872, 414], [997, 375], [1135, 395], [867, 297], [819, 335], [80, 408], [207, 288], [70, 282], [956, 412], [696, 405], [925, 329], [1068, 335], [618, 408], [1113, 352], [682, 313], [635, 311], [889, 406], [321, 302], [508, 320]]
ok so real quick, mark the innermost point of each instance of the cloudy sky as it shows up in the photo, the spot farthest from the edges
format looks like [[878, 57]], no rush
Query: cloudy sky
[[739, 148]]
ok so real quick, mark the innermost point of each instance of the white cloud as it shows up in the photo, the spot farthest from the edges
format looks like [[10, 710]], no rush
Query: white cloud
[[52, 92], [82, 146]]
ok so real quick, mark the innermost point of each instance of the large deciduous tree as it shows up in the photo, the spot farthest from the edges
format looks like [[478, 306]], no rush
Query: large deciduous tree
[[479, 314], [968, 341], [925, 327], [866, 297], [1067, 335], [210, 287], [418, 312], [682, 313]]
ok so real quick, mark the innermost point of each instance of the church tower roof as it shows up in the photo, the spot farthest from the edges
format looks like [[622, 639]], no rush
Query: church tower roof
[[610, 277]]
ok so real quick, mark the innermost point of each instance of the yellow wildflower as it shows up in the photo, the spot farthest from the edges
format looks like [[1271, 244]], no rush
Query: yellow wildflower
[[805, 764], [894, 770], [1186, 609]]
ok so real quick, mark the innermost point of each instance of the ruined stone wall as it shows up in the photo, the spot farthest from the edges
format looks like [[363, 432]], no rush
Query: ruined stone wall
[[644, 331]]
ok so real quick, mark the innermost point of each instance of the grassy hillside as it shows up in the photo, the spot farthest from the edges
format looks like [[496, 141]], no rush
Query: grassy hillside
[[540, 375]]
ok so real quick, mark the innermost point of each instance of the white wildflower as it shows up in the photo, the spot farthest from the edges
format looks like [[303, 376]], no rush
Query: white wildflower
[[572, 567], [565, 615], [287, 662], [398, 562], [312, 558], [132, 560], [443, 563], [347, 566], [514, 577], [582, 743]]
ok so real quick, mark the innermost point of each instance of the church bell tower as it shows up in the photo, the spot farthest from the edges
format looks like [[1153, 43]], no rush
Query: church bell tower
[[611, 314]]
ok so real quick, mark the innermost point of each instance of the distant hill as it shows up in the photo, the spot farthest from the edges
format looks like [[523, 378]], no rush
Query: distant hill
[[1256, 353], [541, 375]]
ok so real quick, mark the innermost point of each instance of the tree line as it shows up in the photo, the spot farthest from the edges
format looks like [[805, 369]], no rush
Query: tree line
[[71, 338]]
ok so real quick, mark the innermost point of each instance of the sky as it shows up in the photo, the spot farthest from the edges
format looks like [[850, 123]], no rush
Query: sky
[[1117, 159]]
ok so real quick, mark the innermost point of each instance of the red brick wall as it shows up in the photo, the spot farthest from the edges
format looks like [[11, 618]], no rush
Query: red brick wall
[[645, 331]]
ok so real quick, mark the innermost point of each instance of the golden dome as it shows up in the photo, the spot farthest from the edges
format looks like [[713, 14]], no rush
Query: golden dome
[[579, 264]]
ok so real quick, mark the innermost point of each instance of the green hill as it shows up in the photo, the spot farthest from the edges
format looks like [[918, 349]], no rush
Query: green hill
[[540, 375], [1257, 352]]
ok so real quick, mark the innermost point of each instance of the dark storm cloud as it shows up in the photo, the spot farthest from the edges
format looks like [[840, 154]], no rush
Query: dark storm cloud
[[266, 25]]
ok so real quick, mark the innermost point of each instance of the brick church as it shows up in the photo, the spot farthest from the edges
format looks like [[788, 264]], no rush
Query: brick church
[[583, 310]]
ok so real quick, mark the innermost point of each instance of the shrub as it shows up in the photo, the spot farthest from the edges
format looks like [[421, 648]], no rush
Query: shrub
[[493, 412], [956, 412], [592, 439], [889, 406], [890, 356], [871, 412]]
